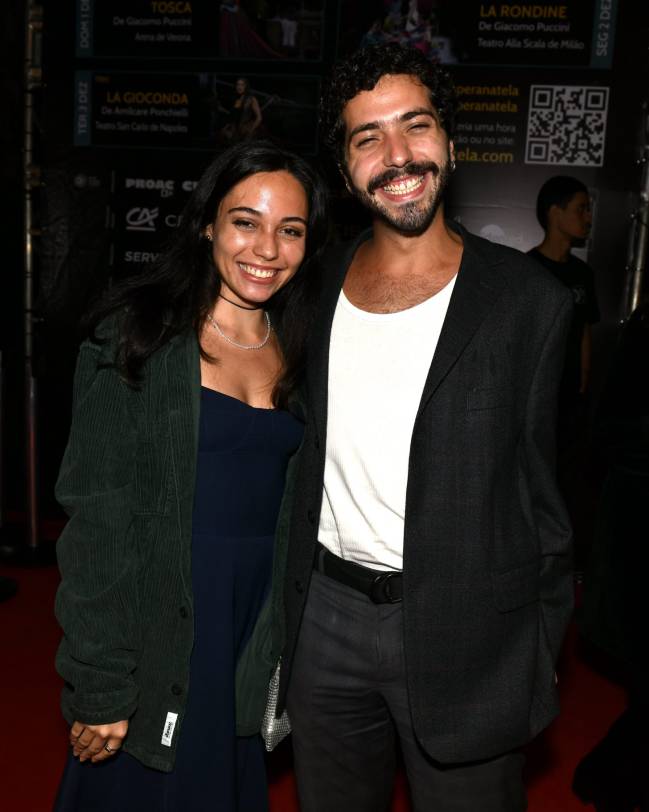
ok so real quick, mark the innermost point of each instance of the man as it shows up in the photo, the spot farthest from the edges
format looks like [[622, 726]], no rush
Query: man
[[428, 577], [563, 211]]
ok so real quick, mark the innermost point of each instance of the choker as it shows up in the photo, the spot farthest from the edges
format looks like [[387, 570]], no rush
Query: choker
[[240, 306]]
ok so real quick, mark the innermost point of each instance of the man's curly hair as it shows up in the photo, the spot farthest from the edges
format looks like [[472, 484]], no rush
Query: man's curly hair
[[363, 69]]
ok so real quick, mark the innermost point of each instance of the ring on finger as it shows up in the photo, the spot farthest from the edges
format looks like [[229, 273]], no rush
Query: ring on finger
[[109, 749]]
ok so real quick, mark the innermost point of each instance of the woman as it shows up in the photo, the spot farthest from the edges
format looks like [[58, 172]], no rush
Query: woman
[[237, 37], [172, 478], [245, 117]]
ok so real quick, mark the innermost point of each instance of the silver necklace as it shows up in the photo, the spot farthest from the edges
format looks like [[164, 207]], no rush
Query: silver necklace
[[234, 343]]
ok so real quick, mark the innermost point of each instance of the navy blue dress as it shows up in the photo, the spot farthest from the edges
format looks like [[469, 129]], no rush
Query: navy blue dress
[[243, 452]]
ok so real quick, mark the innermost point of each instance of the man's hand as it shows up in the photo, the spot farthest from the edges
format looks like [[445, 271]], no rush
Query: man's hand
[[97, 742]]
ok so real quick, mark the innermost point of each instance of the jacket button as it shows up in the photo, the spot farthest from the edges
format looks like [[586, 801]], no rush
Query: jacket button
[[299, 587], [311, 516], [176, 689], [183, 611]]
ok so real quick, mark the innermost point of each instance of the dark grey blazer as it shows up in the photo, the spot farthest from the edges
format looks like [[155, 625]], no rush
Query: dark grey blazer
[[487, 566]]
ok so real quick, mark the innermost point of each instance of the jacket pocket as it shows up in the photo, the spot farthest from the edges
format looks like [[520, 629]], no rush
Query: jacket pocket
[[517, 587], [490, 398]]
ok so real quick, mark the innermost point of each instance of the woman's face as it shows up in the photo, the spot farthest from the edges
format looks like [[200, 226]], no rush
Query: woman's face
[[241, 86], [259, 235]]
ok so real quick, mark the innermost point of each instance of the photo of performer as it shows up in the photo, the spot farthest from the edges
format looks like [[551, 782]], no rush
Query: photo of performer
[[244, 117], [237, 37], [416, 24], [281, 108], [274, 30]]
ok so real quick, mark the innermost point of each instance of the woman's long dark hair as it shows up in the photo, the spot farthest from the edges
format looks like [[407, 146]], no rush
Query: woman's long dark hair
[[176, 292]]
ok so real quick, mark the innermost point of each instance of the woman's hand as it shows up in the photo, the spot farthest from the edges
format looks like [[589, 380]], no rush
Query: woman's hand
[[97, 742]]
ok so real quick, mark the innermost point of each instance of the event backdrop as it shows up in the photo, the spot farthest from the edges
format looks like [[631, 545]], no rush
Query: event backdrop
[[141, 97]]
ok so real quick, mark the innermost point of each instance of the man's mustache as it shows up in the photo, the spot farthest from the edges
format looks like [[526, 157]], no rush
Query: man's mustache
[[413, 168]]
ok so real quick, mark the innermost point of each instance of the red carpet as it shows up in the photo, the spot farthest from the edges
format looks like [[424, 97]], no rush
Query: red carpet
[[33, 741]]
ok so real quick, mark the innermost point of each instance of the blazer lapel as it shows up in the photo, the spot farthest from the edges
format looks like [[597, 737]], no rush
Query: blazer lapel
[[477, 287]]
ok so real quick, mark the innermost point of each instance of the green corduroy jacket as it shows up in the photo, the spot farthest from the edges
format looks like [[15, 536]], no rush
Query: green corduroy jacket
[[125, 600]]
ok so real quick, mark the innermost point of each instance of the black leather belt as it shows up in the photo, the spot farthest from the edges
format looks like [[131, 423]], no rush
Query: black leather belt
[[380, 586]]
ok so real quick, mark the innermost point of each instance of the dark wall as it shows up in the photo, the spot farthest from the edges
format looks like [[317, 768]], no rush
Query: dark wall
[[96, 189], [11, 60]]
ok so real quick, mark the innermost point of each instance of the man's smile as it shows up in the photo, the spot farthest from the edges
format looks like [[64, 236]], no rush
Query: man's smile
[[404, 186]]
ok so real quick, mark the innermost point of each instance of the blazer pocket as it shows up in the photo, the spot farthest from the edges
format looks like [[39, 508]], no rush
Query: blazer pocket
[[517, 587], [492, 398]]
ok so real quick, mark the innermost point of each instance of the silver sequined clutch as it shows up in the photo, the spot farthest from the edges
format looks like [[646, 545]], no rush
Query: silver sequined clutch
[[273, 730]]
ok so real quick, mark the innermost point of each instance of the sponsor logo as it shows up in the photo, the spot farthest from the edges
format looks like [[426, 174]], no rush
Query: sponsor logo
[[140, 256], [86, 182], [141, 219], [172, 220], [165, 187]]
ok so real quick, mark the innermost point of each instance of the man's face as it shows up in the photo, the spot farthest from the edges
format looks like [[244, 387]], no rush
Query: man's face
[[397, 156], [575, 218]]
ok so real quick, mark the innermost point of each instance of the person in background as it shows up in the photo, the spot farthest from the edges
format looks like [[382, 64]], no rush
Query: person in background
[[172, 479], [428, 577], [563, 211]]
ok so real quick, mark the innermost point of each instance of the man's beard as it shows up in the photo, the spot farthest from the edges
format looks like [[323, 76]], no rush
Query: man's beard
[[416, 216]]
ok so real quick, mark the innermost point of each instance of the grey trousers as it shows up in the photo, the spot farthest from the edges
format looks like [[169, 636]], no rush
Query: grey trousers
[[348, 704]]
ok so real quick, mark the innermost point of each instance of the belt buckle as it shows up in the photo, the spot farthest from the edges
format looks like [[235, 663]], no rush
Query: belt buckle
[[380, 591]]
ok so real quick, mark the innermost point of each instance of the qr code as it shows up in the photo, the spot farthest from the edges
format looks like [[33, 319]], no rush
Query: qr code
[[566, 125]]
